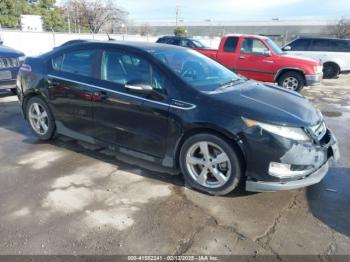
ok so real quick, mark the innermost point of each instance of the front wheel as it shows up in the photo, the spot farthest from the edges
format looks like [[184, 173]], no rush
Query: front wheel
[[292, 80], [210, 164], [40, 118], [330, 70]]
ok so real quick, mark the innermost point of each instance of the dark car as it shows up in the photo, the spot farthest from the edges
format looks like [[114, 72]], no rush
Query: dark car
[[181, 41], [176, 107], [10, 61]]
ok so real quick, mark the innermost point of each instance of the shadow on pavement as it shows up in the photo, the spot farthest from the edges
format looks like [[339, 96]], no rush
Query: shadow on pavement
[[329, 201]]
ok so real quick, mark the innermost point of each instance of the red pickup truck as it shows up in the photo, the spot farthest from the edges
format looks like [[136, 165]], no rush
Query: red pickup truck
[[259, 58]]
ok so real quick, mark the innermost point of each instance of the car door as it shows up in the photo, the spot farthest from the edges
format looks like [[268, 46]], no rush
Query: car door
[[123, 116], [69, 91], [254, 61], [320, 49]]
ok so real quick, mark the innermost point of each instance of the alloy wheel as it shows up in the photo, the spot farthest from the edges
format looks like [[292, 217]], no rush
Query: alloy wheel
[[208, 164], [291, 83], [38, 118]]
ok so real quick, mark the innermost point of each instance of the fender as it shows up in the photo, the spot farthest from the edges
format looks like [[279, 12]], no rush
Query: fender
[[279, 72]]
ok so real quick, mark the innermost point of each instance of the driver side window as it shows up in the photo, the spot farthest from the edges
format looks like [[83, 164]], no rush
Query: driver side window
[[253, 46], [123, 68]]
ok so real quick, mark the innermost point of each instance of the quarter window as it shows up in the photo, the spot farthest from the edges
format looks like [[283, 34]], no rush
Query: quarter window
[[123, 68], [253, 46], [231, 44]]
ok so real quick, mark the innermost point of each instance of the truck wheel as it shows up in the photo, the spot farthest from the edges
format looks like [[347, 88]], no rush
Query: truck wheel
[[292, 80], [210, 164], [330, 70], [40, 118]]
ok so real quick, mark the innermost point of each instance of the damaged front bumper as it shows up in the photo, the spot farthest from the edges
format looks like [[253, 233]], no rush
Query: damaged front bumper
[[310, 163]]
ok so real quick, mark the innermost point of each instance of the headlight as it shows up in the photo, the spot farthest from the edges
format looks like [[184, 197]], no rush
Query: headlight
[[294, 133], [318, 69], [21, 58]]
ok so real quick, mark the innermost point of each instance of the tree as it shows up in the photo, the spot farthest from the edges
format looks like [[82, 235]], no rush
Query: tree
[[11, 11], [341, 29], [180, 31], [97, 13]]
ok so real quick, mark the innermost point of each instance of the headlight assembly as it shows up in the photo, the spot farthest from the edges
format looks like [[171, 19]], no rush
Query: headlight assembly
[[294, 133]]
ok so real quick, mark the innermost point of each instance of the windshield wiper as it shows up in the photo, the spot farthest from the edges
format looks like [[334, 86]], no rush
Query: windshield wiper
[[232, 82]]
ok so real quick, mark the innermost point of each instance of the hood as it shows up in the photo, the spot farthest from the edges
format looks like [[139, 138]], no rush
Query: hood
[[268, 103], [299, 59], [6, 51]]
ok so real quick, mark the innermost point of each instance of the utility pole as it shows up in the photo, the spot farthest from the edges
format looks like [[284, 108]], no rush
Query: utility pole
[[177, 15]]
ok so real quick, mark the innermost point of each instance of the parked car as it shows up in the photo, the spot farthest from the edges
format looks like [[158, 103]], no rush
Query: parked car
[[10, 61], [173, 106], [333, 53], [181, 41], [259, 58]]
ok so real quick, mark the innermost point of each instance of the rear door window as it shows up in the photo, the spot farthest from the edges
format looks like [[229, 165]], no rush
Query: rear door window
[[320, 45], [77, 62], [300, 45], [231, 44]]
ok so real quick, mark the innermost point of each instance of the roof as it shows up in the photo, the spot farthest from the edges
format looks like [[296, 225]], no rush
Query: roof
[[145, 46]]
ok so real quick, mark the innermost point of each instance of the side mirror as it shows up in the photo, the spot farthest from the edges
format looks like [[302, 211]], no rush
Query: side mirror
[[139, 87], [287, 48], [267, 53]]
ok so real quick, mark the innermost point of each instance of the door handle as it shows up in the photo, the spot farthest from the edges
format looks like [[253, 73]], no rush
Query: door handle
[[100, 94], [242, 57]]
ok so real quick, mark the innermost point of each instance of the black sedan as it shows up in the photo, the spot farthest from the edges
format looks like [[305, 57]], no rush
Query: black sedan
[[10, 61], [178, 108]]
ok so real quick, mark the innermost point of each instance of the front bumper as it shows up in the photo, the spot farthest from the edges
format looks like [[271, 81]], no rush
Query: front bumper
[[8, 77], [312, 80], [317, 156]]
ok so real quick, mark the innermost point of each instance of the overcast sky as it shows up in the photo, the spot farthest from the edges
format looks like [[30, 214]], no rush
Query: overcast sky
[[198, 10]]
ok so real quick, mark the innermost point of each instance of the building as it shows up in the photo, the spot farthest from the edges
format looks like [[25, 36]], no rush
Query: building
[[281, 30], [32, 23]]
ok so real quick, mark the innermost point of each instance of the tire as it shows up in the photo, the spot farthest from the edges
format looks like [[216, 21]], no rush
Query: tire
[[14, 91], [37, 123], [330, 70], [292, 80], [229, 170]]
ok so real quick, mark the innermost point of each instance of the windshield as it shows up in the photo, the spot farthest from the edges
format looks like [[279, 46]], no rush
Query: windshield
[[273, 46], [196, 69]]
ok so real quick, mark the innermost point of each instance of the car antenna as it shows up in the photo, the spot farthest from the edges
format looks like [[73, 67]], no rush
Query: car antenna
[[110, 38]]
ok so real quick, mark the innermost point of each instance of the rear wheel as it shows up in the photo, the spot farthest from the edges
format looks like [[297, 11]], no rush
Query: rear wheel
[[210, 164], [330, 70], [291, 80], [40, 118]]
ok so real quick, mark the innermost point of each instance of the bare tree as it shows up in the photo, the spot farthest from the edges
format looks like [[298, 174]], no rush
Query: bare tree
[[341, 29], [96, 14]]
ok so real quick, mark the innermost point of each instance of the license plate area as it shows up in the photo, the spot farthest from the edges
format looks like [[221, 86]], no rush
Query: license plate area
[[5, 75]]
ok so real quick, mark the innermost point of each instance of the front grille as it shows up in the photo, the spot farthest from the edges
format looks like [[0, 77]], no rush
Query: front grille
[[9, 62], [319, 130]]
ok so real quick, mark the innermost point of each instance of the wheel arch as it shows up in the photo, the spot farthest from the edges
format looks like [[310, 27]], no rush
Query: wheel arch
[[230, 138], [281, 71], [332, 62], [27, 97]]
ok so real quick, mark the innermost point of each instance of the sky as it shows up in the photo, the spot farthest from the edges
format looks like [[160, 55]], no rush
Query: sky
[[216, 10]]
